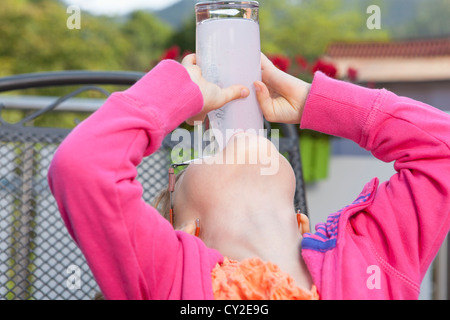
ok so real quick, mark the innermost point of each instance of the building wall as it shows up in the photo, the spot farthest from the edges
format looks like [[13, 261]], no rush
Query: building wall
[[398, 69], [435, 93]]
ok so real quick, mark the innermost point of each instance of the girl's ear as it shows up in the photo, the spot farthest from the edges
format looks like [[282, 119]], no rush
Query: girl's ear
[[303, 223], [192, 227], [188, 227]]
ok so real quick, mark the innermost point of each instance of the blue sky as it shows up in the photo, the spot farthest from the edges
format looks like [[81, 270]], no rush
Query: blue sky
[[117, 7]]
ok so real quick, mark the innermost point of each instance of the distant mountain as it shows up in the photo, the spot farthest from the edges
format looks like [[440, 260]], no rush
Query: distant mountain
[[394, 12], [402, 18], [176, 14]]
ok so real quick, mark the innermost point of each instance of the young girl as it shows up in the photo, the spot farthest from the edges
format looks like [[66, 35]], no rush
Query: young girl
[[249, 244]]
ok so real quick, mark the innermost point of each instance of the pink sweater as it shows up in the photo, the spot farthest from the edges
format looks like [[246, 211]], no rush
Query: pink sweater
[[379, 247]]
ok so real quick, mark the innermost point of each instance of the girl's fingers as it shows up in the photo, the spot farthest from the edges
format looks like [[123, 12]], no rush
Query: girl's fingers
[[266, 63], [277, 80], [215, 98], [234, 92], [274, 106], [190, 59], [220, 97], [193, 120], [265, 100]]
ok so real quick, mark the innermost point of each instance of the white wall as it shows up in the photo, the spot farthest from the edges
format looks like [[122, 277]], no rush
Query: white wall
[[436, 93], [347, 177]]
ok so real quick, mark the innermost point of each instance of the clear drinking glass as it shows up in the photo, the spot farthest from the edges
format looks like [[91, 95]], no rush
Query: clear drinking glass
[[229, 52]]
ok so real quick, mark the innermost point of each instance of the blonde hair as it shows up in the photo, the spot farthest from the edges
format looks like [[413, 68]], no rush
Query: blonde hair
[[162, 201]]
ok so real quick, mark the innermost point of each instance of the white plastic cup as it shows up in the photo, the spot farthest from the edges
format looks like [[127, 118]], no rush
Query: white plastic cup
[[228, 52]]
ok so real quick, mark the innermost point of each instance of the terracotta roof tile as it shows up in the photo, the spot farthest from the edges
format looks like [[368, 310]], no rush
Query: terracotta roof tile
[[411, 48]]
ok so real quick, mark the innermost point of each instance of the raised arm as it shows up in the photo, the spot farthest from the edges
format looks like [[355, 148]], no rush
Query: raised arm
[[409, 217], [132, 251], [410, 214]]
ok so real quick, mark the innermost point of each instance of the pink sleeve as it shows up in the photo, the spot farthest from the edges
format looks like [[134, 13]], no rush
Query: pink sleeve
[[132, 251], [409, 218]]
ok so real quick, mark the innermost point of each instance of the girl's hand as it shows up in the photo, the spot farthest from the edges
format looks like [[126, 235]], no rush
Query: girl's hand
[[281, 96], [214, 97]]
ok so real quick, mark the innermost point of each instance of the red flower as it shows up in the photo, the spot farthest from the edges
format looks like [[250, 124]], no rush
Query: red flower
[[328, 68], [301, 62], [352, 74], [171, 53], [281, 62]]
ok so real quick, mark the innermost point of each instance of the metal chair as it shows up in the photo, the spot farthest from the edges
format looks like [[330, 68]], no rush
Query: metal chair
[[38, 259]]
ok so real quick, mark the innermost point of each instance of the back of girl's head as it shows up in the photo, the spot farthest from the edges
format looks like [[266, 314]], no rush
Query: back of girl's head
[[162, 203]]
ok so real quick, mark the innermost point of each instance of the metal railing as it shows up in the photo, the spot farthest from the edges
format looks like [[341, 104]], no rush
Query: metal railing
[[38, 259]]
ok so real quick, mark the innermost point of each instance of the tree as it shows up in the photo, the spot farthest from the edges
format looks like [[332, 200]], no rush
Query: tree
[[306, 27], [185, 36], [148, 36], [35, 37]]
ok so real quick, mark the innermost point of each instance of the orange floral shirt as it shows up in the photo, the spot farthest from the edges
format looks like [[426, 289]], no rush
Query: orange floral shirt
[[254, 279]]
